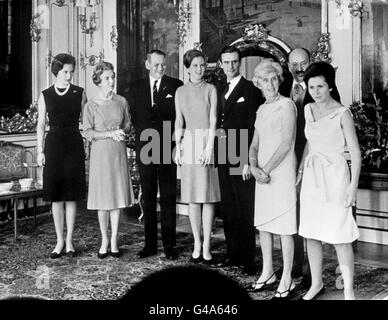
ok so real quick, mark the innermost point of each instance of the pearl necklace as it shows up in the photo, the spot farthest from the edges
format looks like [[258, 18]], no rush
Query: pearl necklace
[[59, 93]]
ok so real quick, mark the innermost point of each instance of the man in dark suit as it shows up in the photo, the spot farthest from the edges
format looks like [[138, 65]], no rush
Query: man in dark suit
[[295, 88], [237, 106], [152, 110]]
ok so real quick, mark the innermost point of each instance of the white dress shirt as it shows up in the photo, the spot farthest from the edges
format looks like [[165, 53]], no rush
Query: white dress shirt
[[232, 85]]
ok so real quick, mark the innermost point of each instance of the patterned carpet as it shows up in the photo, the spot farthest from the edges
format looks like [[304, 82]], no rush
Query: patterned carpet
[[27, 270]]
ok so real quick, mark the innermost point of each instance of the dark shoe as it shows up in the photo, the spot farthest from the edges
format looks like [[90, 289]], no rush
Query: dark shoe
[[249, 269], [285, 295], [260, 286], [209, 262], [117, 254], [70, 253], [102, 255], [145, 252], [56, 255], [228, 262], [195, 260], [320, 292], [171, 254]]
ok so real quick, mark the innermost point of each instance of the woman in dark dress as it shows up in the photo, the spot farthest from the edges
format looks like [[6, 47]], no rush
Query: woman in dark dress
[[62, 151]]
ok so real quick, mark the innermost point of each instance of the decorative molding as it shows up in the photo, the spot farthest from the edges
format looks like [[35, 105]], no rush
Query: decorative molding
[[114, 38], [35, 27], [91, 60], [356, 7], [197, 46], [255, 32], [60, 3], [48, 59], [257, 37], [184, 21], [323, 49]]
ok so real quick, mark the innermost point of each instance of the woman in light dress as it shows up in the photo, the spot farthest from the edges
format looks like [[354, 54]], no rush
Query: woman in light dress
[[196, 107], [106, 121], [328, 189], [273, 165]]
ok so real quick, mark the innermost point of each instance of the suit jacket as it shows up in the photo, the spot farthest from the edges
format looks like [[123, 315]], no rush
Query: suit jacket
[[239, 112], [285, 89], [144, 116]]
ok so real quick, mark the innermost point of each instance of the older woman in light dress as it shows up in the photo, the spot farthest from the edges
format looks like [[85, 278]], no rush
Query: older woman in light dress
[[273, 165]]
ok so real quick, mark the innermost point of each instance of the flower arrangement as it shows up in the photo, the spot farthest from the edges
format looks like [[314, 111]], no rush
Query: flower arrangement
[[372, 131], [19, 123]]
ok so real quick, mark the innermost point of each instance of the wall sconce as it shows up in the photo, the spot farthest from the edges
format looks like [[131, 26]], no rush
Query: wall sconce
[[86, 3], [91, 26], [184, 21], [35, 27]]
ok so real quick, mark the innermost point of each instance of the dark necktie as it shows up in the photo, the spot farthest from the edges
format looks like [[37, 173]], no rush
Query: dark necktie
[[154, 93], [223, 99]]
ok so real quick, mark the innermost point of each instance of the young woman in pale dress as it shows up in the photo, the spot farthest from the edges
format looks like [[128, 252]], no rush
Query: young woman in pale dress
[[273, 165], [328, 189], [196, 107]]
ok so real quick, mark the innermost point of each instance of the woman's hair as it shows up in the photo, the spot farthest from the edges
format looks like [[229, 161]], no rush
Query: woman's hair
[[60, 60], [99, 69], [190, 55], [325, 70], [268, 65], [320, 69]]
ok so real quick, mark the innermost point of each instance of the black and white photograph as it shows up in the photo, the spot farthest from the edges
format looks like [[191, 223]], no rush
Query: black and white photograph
[[194, 158]]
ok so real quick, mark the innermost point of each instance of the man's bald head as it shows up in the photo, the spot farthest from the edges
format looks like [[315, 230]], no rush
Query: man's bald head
[[298, 61]]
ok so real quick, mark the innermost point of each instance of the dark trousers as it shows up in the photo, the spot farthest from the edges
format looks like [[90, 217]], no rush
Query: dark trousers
[[237, 212], [150, 176], [297, 269]]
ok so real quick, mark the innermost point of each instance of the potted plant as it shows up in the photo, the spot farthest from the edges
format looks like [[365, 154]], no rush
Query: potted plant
[[371, 123]]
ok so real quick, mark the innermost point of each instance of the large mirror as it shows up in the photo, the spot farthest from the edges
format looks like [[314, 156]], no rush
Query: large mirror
[[15, 57], [144, 25], [224, 21]]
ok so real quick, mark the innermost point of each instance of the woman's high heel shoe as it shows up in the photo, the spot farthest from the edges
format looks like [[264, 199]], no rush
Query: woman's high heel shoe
[[195, 260], [320, 292], [56, 255], [285, 295], [266, 285]]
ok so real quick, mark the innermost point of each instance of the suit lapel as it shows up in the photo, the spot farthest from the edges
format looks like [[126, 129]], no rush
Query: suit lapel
[[147, 92], [235, 94], [162, 88]]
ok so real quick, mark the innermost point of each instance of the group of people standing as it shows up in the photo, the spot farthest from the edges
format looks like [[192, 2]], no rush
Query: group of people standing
[[269, 152]]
